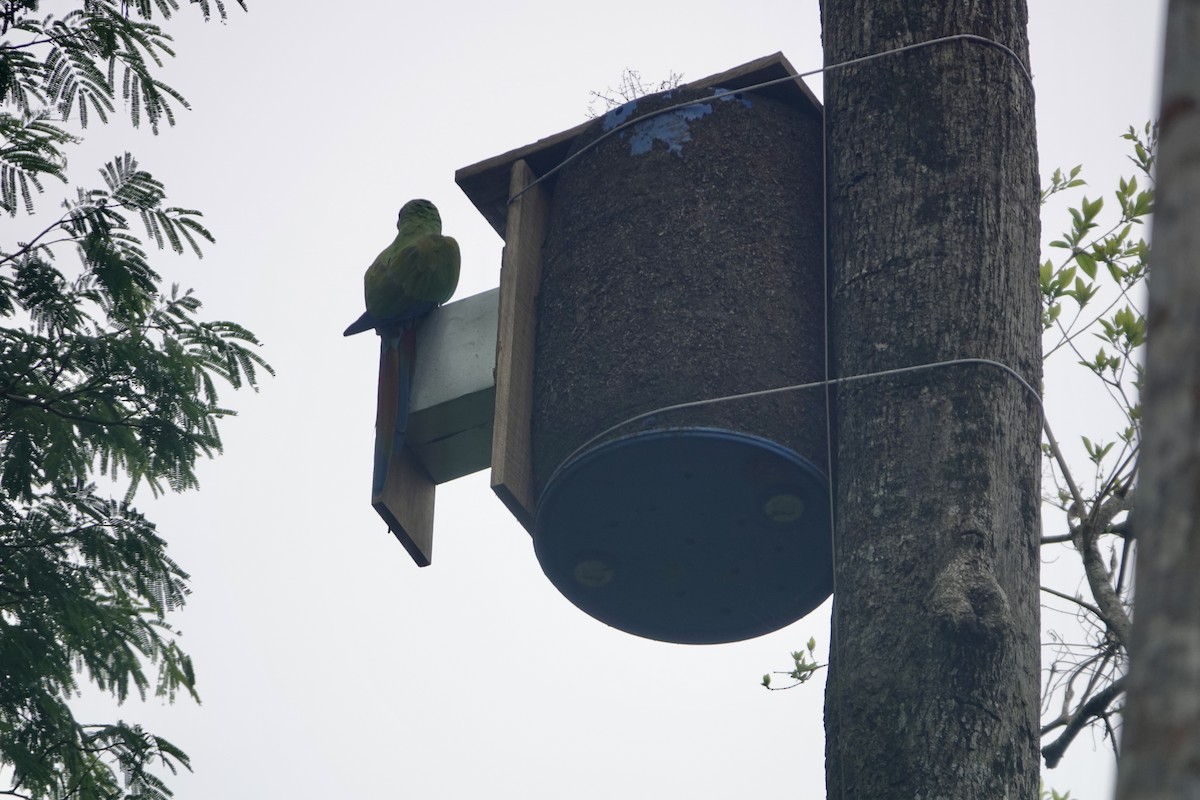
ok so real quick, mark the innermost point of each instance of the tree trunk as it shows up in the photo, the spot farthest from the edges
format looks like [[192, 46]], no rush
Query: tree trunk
[[1161, 741], [933, 242]]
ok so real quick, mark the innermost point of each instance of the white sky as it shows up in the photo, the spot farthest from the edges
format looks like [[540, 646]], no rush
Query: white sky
[[331, 666]]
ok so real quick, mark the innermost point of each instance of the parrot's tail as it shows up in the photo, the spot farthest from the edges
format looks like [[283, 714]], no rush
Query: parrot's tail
[[397, 356], [384, 326], [364, 323]]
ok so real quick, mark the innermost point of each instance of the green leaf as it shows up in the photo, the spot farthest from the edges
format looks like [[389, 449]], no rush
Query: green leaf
[[1086, 263], [1063, 279], [1083, 292], [1144, 204]]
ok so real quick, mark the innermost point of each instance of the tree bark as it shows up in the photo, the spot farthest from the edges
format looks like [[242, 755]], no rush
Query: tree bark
[[1161, 741], [933, 246]]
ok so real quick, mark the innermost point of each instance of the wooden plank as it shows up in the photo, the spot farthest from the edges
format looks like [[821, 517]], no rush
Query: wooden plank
[[406, 505], [403, 495], [520, 276]]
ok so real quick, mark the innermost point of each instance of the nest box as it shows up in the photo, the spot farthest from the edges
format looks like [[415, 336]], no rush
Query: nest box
[[674, 258]]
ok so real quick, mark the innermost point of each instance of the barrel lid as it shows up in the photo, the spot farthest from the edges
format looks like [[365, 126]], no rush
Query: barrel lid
[[691, 535]]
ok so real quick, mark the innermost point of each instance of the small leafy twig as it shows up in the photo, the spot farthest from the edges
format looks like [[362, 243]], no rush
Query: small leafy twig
[[804, 665]]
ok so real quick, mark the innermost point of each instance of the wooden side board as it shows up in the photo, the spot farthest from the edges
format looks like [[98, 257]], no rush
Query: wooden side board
[[405, 492], [520, 276]]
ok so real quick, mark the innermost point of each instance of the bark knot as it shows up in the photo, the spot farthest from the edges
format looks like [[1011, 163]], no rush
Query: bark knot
[[966, 598]]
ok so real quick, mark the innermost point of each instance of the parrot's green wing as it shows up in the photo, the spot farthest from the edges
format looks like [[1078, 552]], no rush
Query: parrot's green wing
[[421, 273]]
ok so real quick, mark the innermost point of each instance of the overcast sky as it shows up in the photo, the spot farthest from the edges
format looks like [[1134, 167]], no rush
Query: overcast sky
[[331, 666]]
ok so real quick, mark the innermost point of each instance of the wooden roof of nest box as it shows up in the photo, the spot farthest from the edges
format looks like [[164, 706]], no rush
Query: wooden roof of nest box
[[487, 182]]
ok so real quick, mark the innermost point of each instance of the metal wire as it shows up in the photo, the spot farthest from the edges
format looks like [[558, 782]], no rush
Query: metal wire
[[828, 382]]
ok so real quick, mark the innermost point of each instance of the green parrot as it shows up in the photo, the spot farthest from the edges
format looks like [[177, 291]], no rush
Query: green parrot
[[415, 274]]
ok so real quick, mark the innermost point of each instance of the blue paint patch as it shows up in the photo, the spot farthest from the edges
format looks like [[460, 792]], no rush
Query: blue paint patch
[[695, 112], [671, 129], [619, 115], [726, 95]]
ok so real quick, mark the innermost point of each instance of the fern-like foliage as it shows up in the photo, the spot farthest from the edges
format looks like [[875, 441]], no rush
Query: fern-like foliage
[[85, 584], [104, 371], [31, 148]]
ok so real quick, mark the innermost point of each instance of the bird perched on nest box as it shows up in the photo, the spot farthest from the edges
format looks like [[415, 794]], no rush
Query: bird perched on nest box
[[415, 274]]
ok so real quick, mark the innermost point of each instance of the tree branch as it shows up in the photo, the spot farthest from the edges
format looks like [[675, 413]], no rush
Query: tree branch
[[1120, 501], [48, 405], [27, 246], [1085, 538], [1086, 605], [1076, 495], [1094, 708], [1122, 529]]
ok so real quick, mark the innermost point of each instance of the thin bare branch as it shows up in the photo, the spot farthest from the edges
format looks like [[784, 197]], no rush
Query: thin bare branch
[[1078, 601], [1093, 709]]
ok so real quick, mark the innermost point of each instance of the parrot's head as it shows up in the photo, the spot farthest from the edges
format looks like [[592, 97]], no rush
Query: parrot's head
[[419, 215]]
